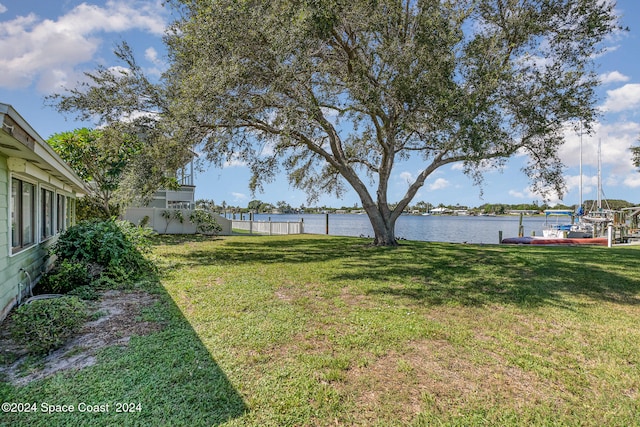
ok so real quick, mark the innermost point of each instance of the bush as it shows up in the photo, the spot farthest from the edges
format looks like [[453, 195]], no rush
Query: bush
[[87, 293], [205, 222], [46, 324], [65, 277], [115, 248]]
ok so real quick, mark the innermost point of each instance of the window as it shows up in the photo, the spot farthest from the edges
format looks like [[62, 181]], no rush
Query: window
[[47, 213], [22, 214], [70, 212], [62, 213]]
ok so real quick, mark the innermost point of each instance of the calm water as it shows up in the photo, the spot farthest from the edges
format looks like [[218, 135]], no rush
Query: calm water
[[455, 229]]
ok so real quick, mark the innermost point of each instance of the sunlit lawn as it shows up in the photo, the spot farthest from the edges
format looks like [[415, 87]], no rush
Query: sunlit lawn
[[316, 330]]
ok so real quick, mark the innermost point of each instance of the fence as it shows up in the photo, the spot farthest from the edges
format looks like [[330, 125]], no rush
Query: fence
[[164, 226], [268, 227]]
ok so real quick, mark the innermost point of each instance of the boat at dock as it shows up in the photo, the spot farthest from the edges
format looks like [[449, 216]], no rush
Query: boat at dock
[[557, 229], [541, 240]]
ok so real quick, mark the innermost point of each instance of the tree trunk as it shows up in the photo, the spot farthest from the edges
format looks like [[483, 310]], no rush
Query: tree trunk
[[384, 227]]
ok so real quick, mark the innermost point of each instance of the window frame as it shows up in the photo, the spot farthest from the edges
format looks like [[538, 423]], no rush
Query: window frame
[[61, 213], [49, 209], [17, 214]]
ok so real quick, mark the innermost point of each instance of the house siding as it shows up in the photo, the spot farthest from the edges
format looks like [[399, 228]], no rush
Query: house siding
[[34, 260], [26, 156]]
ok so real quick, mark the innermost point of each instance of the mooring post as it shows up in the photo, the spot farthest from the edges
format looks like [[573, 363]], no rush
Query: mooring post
[[326, 223], [500, 237], [520, 227]]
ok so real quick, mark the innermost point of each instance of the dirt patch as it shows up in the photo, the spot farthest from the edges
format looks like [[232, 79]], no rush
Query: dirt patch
[[435, 375], [117, 319]]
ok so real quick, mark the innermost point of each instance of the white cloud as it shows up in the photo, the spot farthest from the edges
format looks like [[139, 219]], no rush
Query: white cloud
[[152, 55], [589, 184], [439, 184], [517, 194], [632, 181], [46, 52], [615, 139], [625, 98], [234, 161], [613, 77], [552, 199], [239, 197], [3, 8], [407, 177]]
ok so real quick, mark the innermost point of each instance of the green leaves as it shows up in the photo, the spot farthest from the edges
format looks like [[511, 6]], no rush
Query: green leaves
[[115, 248], [205, 222], [100, 157], [337, 91], [451, 81], [46, 324]]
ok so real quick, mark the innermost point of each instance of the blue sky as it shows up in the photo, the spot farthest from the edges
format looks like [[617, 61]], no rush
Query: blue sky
[[47, 45]]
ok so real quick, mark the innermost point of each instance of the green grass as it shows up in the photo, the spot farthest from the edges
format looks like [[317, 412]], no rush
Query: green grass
[[317, 330]]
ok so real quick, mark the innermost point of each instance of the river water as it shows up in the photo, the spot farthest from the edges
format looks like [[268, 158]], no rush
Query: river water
[[435, 228]]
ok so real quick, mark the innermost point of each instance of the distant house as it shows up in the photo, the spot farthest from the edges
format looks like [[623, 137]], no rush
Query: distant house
[[181, 198], [38, 192], [441, 211], [159, 213]]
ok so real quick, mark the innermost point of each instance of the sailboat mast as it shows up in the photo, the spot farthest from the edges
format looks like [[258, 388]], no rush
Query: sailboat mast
[[580, 163], [599, 174]]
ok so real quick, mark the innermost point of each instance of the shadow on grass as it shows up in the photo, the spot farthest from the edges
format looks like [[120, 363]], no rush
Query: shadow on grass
[[165, 378], [479, 276], [179, 239], [276, 249], [443, 273]]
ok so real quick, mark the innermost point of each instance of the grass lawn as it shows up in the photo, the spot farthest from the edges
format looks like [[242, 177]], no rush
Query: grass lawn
[[318, 330]]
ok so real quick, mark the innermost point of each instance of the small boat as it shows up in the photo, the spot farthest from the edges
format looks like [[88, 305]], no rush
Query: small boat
[[557, 230], [534, 240]]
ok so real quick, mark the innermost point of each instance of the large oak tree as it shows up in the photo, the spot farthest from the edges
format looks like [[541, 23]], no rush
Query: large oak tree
[[337, 92]]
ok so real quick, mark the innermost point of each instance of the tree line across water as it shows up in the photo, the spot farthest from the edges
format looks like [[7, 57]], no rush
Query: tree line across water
[[259, 206]]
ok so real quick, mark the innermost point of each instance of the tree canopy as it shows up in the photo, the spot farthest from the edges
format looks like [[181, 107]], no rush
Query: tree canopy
[[337, 92], [132, 150], [101, 158]]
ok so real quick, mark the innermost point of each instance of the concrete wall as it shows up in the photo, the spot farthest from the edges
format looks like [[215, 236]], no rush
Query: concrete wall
[[159, 224]]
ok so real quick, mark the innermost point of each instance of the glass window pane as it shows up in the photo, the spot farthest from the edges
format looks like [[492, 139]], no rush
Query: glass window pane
[[15, 213], [47, 215], [60, 223], [28, 216]]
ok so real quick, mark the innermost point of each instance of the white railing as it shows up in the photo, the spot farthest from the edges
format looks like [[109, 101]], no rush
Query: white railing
[[268, 227]]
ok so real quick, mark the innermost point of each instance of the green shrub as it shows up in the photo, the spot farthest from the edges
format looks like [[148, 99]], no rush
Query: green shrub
[[114, 248], [46, 324], [87, 293], [170, 216], [65, 276], [140, 237], [205, 222]]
